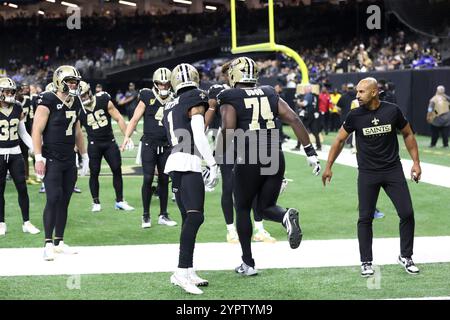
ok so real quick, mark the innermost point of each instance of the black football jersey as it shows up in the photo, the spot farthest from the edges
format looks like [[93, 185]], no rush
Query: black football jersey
[[256, 110], [213, 91], [177, 122], [9, 126], [97, 120], [154, 130], [28, 112], [59, 133]]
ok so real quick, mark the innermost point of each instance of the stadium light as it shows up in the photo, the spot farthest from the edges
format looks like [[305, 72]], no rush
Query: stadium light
[[41, 12], [69, 4], [52, 1], [12, 5], [183, 1], [213, 8], [128, 3]]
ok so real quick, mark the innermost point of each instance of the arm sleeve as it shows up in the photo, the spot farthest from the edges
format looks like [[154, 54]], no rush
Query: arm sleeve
[[200, 140], [26, 138]]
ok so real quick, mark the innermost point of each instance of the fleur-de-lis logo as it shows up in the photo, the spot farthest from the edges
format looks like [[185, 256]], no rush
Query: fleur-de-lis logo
[[375, 121], [202, 95]]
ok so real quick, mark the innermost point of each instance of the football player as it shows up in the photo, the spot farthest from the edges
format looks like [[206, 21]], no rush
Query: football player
[[23, 96], [253, 109], [185, 125], [12, 126], [155, 147], [96, 118], [212, 117], [56, 130]]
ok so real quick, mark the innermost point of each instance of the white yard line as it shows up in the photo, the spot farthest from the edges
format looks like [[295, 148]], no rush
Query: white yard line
[[431, 173], [215, 256]]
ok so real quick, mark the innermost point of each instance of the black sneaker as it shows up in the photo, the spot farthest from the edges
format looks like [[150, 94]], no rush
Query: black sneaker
[[366, 269], [408, 264], [292, 225]]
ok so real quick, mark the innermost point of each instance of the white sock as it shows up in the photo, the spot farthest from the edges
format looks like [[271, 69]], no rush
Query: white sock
[[231, 227], [259, 226], [182, 271]]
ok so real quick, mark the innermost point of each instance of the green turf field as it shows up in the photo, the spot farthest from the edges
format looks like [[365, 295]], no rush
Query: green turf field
[[326, 213]]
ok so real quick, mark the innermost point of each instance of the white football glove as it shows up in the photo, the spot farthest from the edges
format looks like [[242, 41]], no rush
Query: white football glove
[[84, 165], [284, 185], [316, 115], [130, 145], [313, 161], [210, 176]]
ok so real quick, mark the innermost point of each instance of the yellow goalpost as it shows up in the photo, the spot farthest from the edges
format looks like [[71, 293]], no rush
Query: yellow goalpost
[[267, 46]]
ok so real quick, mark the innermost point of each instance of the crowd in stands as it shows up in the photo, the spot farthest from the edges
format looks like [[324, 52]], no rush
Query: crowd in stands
[[324, 35]]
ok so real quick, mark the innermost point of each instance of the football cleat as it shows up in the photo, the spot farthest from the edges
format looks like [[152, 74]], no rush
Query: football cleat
[[3, 228], [123, 205], [64, 249], [165, 220], [246, 270], [27, 227], [292, 225], [181, 278], [232, 236], [366, 269], [408, 264], [146, 222], [96, 207], [263, 236], [378, 214], [195, 279], [49, 252], [76, 189]]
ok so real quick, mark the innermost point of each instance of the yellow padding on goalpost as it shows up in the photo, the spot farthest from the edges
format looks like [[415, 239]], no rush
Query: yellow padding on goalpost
[[267, 46]]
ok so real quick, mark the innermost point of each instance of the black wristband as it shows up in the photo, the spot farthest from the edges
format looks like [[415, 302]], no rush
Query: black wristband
[[310, 151]]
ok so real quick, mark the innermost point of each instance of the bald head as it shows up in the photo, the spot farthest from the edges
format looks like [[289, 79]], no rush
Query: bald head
[[367, 92], [370, 83], [440, 90]]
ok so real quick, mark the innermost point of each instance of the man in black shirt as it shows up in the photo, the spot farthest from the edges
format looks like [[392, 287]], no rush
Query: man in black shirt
[[375, 123]]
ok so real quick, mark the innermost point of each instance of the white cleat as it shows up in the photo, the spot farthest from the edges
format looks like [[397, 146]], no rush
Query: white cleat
[[3, 228], [64, 249], [165, 220], [123, 205], [49, 252], [96, 207], [264, 236], [27, 227], [232, 236], [196, 280], [146, 222], [181, 279]]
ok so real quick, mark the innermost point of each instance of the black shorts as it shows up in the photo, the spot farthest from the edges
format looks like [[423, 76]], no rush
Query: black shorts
[[191, 187], [249, 182], [154, 155], [14, 163], [107, 149]]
